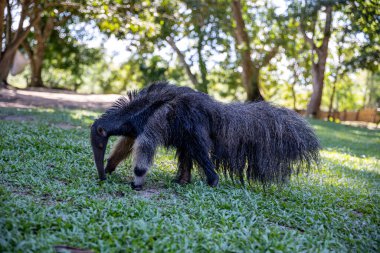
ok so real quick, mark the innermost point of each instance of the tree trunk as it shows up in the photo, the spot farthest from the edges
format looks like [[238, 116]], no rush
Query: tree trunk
[[5, 66], [42, 32], [36, 79], [318, 72], [336, 77], [295, 81], [367, 88], [6, 57], [330, 114], [294, 98], [318, 68], [250, 73], [36, 64], [2, 8], [203, 85], [253, 84], [8, 25]]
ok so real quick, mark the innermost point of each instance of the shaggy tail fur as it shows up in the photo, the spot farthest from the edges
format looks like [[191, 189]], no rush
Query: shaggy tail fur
[[264, 143]]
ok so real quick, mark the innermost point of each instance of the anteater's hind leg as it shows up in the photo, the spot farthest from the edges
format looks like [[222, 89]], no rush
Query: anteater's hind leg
[[185, 165], [200, 153], [206, 164], [120, 151], [199, 150]]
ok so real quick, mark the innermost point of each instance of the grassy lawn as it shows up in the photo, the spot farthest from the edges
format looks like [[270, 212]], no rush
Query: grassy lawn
[[50, 195]]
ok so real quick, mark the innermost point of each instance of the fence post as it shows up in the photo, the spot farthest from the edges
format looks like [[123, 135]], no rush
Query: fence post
[[357, 115], [374, 115]]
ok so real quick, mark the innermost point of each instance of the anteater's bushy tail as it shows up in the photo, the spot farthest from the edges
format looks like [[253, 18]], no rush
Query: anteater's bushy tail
[[261, 142]]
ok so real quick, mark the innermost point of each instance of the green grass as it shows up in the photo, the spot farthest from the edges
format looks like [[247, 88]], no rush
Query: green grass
[[50, 195]]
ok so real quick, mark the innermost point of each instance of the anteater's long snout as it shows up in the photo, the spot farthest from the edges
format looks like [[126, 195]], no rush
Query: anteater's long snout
[[99, 145]]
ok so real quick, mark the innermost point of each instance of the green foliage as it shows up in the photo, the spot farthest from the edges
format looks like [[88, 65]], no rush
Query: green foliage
[[204, 33], [67, 61], [225, 83], [266, 28], [132, 19], [49, 195], [373, 90], [363, 19], [349, 95], [153, 69]]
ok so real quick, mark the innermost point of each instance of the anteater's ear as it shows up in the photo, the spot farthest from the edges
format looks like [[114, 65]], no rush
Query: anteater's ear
[[101, 131]]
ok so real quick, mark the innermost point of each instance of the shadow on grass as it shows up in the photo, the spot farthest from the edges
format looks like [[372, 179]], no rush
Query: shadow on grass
[[339, 176], [348, 139]]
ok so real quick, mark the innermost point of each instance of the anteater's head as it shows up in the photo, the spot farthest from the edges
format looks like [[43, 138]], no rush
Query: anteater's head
[[115, 121], [128, 116]]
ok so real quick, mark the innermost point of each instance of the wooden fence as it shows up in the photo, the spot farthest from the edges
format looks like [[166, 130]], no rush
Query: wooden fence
[[365, 115]]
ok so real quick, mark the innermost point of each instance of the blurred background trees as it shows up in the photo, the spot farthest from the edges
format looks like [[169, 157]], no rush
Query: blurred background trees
[[299, 53]]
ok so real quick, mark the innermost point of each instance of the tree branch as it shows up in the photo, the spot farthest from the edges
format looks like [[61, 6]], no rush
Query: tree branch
[[48, 28], [307, 38], [62, 21], [21, 36], [38, 30], [28, 49], [8, 32], [51, 22], [327, 28], [63, 4], [241, 32], [268, 56], [24, 9], [2, 8], [181, 57]]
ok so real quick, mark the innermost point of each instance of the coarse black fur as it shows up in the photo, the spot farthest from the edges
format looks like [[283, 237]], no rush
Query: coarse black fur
[[251, 141]]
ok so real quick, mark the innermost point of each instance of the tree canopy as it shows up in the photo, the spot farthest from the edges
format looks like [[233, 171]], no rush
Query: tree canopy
[[296, 53]]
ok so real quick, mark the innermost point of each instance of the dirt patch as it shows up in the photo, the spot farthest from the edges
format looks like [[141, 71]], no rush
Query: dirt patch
[[70, 249], [23, 192], [16, 189], [15, 105], [357, 213], [286, 227], [119, 194], [148, 193], [50, 98]]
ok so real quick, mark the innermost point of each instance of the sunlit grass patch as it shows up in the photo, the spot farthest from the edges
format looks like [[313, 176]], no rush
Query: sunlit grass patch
[[350, 171]]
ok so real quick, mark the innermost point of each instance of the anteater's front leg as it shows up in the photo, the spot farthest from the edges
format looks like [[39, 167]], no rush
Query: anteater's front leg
[[120, 151], [143, 154]]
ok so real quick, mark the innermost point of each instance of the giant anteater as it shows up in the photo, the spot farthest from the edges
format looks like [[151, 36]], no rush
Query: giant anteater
[[252, 141]]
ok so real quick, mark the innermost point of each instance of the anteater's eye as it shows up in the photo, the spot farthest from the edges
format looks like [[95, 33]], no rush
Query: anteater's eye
[[100, 145], [101, 131]]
